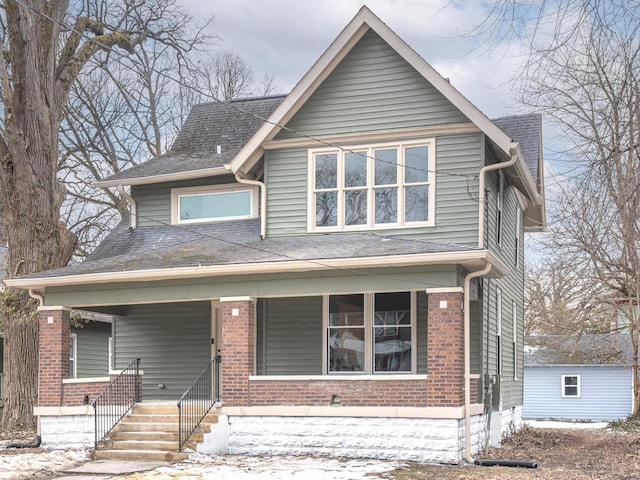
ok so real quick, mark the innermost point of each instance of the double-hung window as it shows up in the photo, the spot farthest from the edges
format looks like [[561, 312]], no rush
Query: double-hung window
[[370, 333], [387, 185], [570, 385], [213, 203]]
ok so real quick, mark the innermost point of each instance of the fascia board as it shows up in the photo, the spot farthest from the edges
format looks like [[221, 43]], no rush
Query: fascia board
[[168, 177], [472, 260]]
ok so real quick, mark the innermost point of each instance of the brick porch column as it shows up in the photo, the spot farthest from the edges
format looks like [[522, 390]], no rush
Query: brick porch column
[[238, 347], [53, 354], [445, 349]]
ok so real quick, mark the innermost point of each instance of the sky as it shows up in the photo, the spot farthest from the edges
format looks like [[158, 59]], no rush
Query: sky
[[283, 38]]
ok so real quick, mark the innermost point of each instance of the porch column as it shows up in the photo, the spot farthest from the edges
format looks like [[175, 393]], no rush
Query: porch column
[[238, 347], [445, 348], [53, 354]]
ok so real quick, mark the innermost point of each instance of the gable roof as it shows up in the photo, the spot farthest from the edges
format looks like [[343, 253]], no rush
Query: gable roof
[[250, 154], [588, 349], [194, 152]]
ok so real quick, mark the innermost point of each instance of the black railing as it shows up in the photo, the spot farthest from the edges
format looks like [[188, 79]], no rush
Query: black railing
[[196, 402], [122, 393]]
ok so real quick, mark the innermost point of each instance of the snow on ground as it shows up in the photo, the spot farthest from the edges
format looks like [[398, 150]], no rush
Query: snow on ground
[[239, 467], [16, 464]]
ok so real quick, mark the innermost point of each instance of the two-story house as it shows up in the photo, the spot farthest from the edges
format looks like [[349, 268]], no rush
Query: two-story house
[[352, 252]]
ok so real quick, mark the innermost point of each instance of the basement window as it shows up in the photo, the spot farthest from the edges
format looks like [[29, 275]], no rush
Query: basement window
[[213, 203]]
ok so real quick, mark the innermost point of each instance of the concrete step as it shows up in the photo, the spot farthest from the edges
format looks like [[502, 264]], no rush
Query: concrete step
[[145, 445], [147, 427], [153, 408], [140, 455], [151, 417], [143, 436]]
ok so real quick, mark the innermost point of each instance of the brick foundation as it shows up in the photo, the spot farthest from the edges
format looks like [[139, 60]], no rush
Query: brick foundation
[[445, 350]]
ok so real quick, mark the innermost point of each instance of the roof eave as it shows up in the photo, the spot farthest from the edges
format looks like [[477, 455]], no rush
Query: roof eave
[[167, 177], [471, 259]]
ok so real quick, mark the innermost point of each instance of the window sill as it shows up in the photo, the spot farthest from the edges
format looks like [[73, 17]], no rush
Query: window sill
[[337, 377]]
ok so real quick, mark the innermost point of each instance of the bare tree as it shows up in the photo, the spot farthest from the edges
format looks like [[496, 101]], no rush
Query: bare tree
[[42, 60], [562, 298], [588, 84]]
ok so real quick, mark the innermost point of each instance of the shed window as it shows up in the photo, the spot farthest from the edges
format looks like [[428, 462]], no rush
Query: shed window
[[571, 385], [207, 204]]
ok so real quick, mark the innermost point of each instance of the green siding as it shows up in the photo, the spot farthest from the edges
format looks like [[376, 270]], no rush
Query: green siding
[[92, 356], [373, 88], [289, 335], [154, 200], [173, 342], [286, 284], [512, 287], [458, 161]]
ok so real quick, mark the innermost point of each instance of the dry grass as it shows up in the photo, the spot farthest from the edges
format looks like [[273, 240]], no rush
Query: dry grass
[[560, 455]]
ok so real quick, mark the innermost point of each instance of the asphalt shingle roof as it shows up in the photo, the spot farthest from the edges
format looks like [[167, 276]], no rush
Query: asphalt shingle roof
[[233, 243], [229, 125], [527, 131], [588, 349]]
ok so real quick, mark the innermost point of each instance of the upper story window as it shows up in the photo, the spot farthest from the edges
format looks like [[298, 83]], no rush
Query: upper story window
[[213, 203], [386, 185]]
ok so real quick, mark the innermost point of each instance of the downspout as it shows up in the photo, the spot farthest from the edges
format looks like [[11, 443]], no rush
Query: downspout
[[133, 208], [482, 196], [263, 202], [467, 359]]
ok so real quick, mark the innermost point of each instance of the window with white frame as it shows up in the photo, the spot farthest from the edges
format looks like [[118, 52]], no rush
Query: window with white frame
[[374, 186], [73, 352], [370, 333], [110, 354], [500, 207], [213, 203], [570, 385]]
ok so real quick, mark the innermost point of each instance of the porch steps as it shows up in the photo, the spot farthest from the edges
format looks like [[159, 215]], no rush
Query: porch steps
[[149, 432]]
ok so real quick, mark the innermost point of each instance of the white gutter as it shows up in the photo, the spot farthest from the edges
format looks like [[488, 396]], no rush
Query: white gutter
[[467, 359], [263, 202], [133, 208], [469, 259], [482, 195]]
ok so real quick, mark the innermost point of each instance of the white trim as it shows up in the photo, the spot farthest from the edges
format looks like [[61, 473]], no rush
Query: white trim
[[471, 259], [177, 193], [165, 177], [73, 340], [377, 137], [328, 378], [444, 290], [246, 298], [49, 308], [85, 380], [328, 411], [63, 411]]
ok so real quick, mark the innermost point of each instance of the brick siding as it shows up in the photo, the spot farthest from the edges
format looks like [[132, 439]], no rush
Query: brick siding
[[53, 356], [238, 351]]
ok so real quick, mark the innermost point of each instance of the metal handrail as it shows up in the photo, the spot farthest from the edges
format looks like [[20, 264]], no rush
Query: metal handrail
[[115, 401], [197, 401]]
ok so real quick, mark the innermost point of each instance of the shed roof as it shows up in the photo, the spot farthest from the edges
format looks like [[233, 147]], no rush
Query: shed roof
[[588, 349]]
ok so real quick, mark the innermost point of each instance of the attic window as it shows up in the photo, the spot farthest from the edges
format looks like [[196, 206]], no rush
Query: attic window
[[213, 203]]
